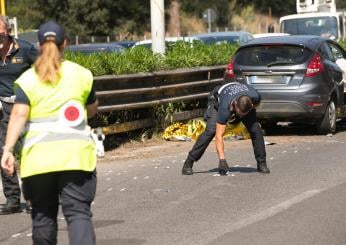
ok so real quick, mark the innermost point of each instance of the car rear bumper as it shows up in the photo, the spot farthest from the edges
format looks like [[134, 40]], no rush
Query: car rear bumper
[[288, 111]]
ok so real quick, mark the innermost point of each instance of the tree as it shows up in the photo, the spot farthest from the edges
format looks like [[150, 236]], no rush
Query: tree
[[340, 4], [27, 16], [88, 17], [174, 18]]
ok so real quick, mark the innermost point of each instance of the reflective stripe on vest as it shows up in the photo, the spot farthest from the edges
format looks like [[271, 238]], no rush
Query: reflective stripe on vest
[[46, 137], [69, 125]]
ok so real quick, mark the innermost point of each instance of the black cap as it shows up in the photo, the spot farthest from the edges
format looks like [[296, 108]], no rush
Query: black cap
[[51, 29]]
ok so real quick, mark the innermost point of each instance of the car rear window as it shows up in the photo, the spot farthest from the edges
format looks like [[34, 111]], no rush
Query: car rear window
[[272, 55]]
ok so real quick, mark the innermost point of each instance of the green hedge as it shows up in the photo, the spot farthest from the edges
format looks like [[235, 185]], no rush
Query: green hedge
[[140, 59]]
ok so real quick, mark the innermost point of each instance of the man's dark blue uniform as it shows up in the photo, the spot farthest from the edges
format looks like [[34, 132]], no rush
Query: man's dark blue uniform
[[220, 112], [16, 57]]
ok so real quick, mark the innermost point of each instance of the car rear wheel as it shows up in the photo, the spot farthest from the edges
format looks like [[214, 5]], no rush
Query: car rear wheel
[[268, 127], [328, 122]]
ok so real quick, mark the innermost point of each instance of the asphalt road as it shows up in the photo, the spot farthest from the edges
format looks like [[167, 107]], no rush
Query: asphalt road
[[142, 197]]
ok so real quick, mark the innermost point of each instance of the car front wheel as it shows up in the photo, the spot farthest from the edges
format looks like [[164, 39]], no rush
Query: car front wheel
[[328, 123]]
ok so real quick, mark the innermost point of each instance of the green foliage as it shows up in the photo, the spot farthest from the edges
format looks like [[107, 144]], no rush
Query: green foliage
[[135, 60], [343, 44], [131, 61], [140, 59], [340, 4], [183, 54], [165, 112], [107, 17]]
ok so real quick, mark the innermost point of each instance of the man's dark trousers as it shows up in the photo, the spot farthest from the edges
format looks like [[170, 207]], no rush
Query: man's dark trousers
[[10, 183], [249, 121]]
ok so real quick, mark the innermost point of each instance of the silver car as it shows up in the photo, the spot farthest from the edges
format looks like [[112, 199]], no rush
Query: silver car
[[296, 76]]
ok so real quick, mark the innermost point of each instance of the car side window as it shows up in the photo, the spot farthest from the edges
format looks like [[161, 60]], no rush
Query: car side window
[[336, 52]]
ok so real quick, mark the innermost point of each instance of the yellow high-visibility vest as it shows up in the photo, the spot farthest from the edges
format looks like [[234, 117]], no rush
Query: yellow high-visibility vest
[[50, 144]]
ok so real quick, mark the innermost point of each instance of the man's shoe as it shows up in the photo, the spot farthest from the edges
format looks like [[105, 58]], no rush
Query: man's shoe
[[223, 167], [28, 207], [187, 168], [10, 208], [262, 168]]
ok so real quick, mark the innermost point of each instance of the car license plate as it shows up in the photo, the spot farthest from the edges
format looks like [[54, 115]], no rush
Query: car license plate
[[268, 79]]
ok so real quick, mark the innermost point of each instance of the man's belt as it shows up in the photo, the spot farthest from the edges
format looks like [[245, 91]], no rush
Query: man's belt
[[10, 99]]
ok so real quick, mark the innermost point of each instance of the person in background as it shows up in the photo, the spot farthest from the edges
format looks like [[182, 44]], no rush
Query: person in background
[[16, 57], [235, 102], [58, 157]]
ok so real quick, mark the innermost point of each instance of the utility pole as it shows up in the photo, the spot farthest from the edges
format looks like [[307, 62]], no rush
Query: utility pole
[[2, 7], [209, 20], [157, 11]]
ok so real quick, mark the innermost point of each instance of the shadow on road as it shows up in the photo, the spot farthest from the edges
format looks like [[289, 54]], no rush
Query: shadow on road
[[287, 129], [231, 170]]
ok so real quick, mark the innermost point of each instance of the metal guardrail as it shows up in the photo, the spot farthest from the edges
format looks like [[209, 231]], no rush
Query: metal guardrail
[[146, 90]]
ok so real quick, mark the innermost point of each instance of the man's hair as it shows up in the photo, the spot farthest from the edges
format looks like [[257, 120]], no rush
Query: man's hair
[[4, 20], [244, 103]]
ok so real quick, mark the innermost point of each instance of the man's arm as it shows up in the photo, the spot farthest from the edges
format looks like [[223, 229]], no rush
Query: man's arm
[[220, 131], [19, 116]]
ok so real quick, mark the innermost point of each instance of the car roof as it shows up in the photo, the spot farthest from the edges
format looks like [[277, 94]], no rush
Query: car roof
[[270, 34], [96, 45], [125, 43], [168, 39], [222, 33], [147, 43], [308, 41]]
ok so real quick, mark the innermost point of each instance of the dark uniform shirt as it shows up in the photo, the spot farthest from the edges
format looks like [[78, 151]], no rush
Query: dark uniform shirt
[[18, 60], [229, 92]]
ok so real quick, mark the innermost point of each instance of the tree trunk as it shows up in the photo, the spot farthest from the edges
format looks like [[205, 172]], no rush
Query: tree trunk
[[174, 20]]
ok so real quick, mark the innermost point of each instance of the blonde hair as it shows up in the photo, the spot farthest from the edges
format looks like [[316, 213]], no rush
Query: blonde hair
[[47, 65]]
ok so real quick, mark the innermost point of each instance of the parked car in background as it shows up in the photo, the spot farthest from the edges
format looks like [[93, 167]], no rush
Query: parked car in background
[[296, 76], [125, 44], [169, 41], [90, 48], [234, 37]]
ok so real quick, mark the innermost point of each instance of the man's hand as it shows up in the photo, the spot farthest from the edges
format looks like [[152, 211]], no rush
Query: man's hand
[[7, 162]]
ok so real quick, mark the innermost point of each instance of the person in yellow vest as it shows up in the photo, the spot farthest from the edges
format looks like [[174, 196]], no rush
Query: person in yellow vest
[[58, 159]]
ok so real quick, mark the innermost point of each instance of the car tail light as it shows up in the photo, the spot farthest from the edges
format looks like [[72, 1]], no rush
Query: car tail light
[[229, 69], [315, 66], [314, 104]]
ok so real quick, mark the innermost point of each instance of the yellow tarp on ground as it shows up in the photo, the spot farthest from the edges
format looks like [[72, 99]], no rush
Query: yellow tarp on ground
[[193, 128]]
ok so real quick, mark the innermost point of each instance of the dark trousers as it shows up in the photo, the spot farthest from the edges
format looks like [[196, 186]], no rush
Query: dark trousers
[[75, 190], [10, 183], [249, 121]]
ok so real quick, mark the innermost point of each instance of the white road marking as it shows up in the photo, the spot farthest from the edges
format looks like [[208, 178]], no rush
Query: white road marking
[[257, 217], [16, 235]]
